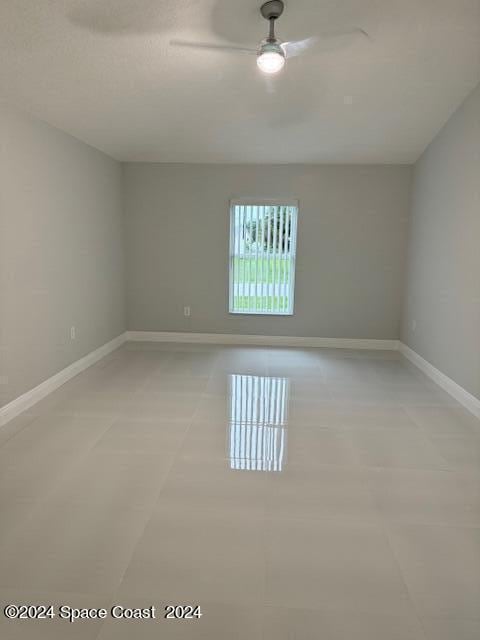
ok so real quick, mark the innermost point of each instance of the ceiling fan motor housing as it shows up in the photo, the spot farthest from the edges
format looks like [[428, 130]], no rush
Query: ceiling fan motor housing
[[271, 47]]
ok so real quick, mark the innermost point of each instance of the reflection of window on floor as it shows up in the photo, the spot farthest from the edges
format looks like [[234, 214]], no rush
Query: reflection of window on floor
[[258, 420]]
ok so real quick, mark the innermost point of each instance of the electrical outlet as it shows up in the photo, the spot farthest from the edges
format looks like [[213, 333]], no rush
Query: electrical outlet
[[73, 333], [186, 311]]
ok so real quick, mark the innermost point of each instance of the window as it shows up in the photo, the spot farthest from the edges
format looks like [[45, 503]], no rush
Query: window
[[262, 257]]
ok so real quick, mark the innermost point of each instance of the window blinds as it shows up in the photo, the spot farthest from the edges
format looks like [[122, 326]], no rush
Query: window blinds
[[262, 258]]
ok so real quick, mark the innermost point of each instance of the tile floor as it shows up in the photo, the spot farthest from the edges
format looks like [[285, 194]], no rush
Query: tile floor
[[294, 494]]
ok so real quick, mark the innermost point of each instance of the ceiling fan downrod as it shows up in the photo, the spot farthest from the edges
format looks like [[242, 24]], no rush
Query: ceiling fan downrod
[[271, 11]]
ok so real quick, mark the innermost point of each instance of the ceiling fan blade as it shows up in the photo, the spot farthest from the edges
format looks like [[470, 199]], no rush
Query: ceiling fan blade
[[185, 44], [298, 47]]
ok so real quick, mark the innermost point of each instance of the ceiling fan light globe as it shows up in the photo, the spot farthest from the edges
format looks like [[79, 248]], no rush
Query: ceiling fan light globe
[[270, 61]]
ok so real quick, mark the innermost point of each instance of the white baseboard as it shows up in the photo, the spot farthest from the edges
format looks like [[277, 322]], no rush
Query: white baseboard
[[465, 398], [28, 399], [267, 341]]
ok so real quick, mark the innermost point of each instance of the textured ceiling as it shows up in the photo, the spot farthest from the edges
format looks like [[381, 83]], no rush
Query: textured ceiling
[[103, 71]]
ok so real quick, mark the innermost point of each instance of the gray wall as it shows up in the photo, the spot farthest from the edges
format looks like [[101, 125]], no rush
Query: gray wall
[[441, 318], [61, 251], [350, 258]]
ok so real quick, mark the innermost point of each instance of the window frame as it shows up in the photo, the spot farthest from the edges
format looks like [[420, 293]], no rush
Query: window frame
[[263, 202]]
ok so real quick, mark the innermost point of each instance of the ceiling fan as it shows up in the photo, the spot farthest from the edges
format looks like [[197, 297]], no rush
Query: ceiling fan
[[271, 52]]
